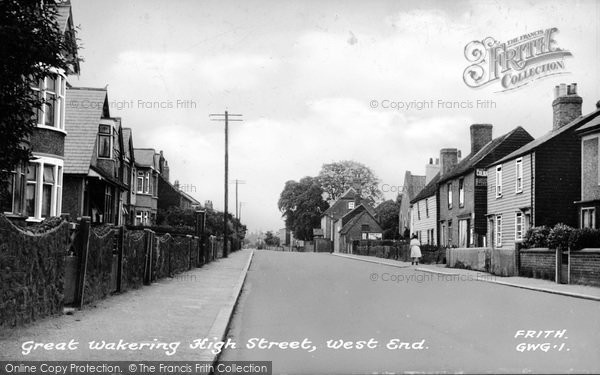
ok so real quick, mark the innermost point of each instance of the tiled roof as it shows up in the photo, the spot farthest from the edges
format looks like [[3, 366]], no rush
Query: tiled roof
[[471, 160], [348, 195], [356, 219], [144, 157], [82, 117], [428, 190], [548, 136]]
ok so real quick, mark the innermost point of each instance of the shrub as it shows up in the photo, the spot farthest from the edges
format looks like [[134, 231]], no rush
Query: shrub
[[584, 238], [536, 237], [559, 237]]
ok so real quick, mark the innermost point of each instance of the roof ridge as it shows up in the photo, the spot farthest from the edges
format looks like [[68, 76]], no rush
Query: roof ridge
[[87, 88]]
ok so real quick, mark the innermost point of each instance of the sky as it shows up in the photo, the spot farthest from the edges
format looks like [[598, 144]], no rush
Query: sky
[[314, 81]]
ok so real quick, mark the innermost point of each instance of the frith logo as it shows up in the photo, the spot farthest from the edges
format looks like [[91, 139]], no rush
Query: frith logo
[[515, 63]]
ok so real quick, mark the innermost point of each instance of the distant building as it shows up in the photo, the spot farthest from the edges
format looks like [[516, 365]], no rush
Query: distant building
[[358, 224], [412, 186]]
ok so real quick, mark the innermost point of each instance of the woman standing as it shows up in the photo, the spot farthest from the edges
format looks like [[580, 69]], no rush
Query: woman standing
[[415, 249]]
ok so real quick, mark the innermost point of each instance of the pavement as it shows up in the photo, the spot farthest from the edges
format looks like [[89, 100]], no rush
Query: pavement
[[546, 286], [320, 314], [167, 316]]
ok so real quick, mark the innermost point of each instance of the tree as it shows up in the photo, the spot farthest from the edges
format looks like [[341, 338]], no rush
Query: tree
[[32, 44], [271, 240], [302, 205], [336, 178], [388, 214]]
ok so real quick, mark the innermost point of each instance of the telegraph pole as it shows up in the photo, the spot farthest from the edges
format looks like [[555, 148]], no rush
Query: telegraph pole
[[237, 216], [226, 119]]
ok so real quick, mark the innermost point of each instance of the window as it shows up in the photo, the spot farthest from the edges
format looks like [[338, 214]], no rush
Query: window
[[31, 190], [108, 204], [15, 190], [51, 91], [463, 233], [498, 181], [461, 192], [147, 183], [426, 207], [350, 205], [104, 141], [138, 218], [43, 188], [449, 187], [140, 182], [449, 235], [519, 173], [588, 217], [499, 230], [419, 210], [518, 226], [365, 228]]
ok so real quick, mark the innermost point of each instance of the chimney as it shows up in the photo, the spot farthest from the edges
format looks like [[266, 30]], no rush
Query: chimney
[[431, 170], [176, 184], [448, 159], [566, 105], [481, 134]]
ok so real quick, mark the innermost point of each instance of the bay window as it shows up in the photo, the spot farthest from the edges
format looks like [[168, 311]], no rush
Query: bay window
[[51, 91], [42, 188]]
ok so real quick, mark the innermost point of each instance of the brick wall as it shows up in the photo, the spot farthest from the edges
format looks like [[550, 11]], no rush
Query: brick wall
[[538, 263], [585, 267]]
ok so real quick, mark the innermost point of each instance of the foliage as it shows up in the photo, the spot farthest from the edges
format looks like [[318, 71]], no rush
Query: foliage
[[302, 205], [388, 216], [32, 43], [335, 178], [186, 218], [559, 237], [584, 238], [536, 237], [271, 240]]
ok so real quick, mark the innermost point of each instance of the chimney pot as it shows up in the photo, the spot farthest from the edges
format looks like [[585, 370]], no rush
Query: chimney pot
[[566, 108], [430, 160], [598, 104]]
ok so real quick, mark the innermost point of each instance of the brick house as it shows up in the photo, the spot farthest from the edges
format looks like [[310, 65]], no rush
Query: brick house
[[330, 220], [146, 186], [358, 224], [412, 186], [94, 167], [588, 205], [424, 207], [463, 190], [538, 183], [35, 189]]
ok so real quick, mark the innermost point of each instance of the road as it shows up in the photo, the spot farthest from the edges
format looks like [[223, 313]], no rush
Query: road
[[444, 324]]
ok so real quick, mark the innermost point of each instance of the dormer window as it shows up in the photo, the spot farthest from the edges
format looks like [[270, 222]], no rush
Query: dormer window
[[105, 138], [51, 91]]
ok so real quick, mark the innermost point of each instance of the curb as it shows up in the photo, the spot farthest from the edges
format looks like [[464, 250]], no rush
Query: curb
[[534, 288], [220, 327], [369, 260], [428, 270]]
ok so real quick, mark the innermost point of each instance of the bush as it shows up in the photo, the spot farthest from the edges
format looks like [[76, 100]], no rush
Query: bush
[[584, 238], [536, 237], [559, 237]]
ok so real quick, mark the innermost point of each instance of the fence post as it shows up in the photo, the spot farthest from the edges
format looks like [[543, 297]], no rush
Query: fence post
[[82, 245], [120, 245], [148, 240], [557, 273], [189, 237]]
